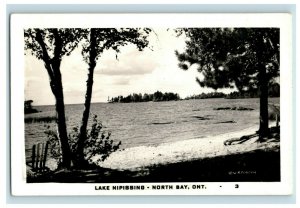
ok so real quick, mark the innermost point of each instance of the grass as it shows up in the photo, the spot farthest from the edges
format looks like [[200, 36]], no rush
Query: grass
[[46, 119]]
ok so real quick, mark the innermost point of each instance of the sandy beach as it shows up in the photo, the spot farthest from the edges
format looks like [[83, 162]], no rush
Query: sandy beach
[[205, 159], [144, 156]]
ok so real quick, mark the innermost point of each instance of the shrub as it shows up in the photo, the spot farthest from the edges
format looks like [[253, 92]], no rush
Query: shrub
[[98, 142]]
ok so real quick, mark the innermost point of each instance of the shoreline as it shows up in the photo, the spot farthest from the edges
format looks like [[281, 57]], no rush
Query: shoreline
[[194, 160], [140, 157]]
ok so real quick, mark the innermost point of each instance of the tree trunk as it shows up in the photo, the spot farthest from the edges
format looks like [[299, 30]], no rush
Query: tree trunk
[[61, 126], [88, 97], [263, 114], [57, 90], [60, 105], [53, 69]]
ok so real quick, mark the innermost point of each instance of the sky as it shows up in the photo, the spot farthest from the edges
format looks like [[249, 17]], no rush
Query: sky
[[133, 72]]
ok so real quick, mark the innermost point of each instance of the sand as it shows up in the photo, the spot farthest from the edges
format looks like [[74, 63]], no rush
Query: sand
[[136, 158]]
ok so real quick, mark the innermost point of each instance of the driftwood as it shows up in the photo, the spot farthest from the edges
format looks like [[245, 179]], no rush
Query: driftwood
[[239, 140], [274, 134]]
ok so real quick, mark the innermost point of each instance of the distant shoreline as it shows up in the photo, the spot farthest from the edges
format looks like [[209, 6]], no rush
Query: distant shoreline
[[105, 102]]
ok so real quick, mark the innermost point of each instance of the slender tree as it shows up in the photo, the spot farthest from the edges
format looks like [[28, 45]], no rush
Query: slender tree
[[98, 41], [50, 46], [244, 58]]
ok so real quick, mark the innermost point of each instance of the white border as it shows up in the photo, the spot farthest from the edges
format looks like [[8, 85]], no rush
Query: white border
[[154, 2], [21, 21]]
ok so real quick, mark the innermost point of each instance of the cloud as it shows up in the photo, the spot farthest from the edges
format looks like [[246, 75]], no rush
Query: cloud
[[134, 71], [130, 62], [122, 81]]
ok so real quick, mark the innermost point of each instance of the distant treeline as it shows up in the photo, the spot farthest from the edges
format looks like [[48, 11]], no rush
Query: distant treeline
[[28, 107], [207, 95], [155, 97], [274, 91]]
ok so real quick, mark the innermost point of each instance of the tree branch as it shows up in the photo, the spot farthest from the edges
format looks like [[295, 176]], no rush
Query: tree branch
[[45, 56]]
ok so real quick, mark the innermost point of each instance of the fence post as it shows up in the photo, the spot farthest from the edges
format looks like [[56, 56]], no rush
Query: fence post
[[33, 157], [37, 156], [45, 154], [41, 158]]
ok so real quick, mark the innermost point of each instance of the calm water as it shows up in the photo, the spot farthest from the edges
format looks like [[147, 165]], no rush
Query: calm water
[[153, 123]]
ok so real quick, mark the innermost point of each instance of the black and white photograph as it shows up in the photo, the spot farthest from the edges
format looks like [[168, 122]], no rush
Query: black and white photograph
[[140, 107]]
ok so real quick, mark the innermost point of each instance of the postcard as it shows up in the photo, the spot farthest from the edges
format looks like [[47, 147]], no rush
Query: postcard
[[151, 104]]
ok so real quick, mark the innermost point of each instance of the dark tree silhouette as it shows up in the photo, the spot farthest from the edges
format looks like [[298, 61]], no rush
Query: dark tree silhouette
[[50, 46], [157, 96], [98, 41], [245, 58], [28, 107]]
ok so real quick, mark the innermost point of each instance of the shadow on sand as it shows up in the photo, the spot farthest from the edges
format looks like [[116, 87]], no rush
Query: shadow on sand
[[255, 166]]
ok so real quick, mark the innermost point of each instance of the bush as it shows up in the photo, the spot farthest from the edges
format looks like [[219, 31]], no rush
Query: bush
[[98, 142]]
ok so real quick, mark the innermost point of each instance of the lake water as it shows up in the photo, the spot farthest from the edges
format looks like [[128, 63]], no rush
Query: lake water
[[153, 123]]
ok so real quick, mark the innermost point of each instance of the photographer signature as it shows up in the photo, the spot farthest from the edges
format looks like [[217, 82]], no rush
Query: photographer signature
[[242, 172]]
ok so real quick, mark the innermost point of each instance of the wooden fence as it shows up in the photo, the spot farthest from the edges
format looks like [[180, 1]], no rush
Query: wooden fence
[[39, 157]]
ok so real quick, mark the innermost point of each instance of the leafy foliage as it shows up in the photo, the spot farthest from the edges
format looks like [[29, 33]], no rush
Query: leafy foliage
[[54, 145], [98, 143], [113, 38], [65, 38], [231, 57], [243, 58]]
